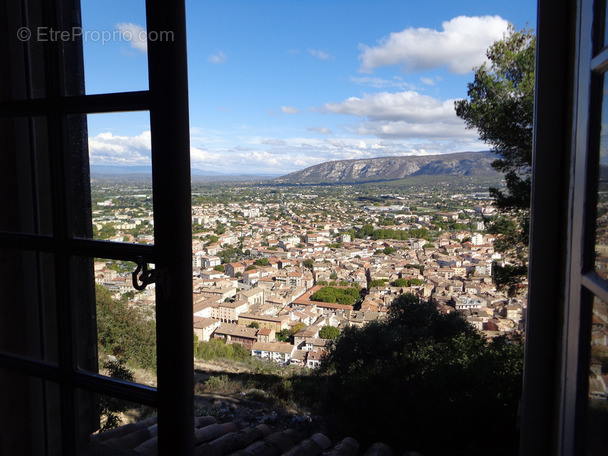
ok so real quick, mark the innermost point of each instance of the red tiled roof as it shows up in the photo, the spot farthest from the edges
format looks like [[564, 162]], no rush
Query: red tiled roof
[[213, 438]]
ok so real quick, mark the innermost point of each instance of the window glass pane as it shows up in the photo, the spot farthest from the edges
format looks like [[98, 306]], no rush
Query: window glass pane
[[28, 310], [115, 46], [121, 177], [597, 412], [22, 53], [25, 189], [603, 25], [601, 233], [125, 320], [30, 415], [117, 424]]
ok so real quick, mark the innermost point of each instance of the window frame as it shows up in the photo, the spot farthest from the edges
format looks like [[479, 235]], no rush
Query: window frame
[[564, 193], [167, 102]]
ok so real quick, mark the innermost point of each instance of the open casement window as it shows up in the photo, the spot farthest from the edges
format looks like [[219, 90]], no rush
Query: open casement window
[[565, 406], [50, 388]]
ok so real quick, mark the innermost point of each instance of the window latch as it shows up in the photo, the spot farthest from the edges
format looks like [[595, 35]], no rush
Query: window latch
[[142, 276]]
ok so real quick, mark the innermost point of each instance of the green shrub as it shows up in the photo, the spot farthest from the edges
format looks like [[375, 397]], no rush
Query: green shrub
[[348, 296], [124, 331], [422, 371], [219, 349]]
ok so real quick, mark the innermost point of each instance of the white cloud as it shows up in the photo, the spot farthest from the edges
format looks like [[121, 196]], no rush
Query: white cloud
[[134, 34], [219, 57], [380, 83], [321, 130], [460, 45], [290, 110], [108, 149], [320, 54], [273, 142], [401, 129], [408, 105], [404, 115]]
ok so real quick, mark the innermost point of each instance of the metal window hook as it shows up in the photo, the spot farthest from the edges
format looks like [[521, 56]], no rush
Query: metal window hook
[[142, 276]]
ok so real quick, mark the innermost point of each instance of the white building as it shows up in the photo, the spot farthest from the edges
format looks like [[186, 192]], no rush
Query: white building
[[279, 352]]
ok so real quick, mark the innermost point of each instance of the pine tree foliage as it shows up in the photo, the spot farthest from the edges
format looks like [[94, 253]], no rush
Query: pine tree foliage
[[500, 105]]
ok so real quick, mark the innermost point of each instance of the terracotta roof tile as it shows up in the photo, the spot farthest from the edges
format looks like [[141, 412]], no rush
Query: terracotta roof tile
[[215, 439]]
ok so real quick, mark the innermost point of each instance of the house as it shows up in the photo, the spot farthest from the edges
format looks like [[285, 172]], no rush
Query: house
[[236, 334], [220, 294], [232, 269], [228, 312], [251, 277], [300, 338], [210, 274], [266, 335], [314, 344], [298, 358], [469, 303], [208, 261], [205, 307], [279, 352], [253, 296], [314, 358], [313, 238], [204, 328], [264, 321]]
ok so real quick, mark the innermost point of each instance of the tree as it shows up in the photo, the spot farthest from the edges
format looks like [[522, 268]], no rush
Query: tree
[[329, 332], [211, 239], [348, 296], [401, 283], [500, 106], [111, 407], [220, 228], [377, 283], [124, 332], [421, 370], [388, 250]]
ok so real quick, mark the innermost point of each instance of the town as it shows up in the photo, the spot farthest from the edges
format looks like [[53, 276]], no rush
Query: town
[[283, 269]]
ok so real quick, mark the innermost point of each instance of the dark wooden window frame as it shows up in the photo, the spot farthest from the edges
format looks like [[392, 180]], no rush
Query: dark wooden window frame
[[167, 102]]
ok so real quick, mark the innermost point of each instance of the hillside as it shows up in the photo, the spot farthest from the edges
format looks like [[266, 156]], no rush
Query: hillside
[[391, 168]]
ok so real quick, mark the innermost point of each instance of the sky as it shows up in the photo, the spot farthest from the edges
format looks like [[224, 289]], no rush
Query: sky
[[277, 86]]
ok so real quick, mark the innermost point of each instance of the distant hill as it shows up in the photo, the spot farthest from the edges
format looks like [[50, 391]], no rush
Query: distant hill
[[141, 169], [392, 168], [197, 175]]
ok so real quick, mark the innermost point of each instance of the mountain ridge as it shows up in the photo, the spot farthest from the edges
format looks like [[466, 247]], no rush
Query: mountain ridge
[[392, 168]]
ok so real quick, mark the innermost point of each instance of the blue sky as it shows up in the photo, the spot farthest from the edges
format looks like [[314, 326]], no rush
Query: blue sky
[[276, 86]]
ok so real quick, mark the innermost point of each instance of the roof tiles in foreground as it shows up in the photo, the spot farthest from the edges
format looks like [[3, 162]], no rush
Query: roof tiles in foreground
[[223, 439]]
